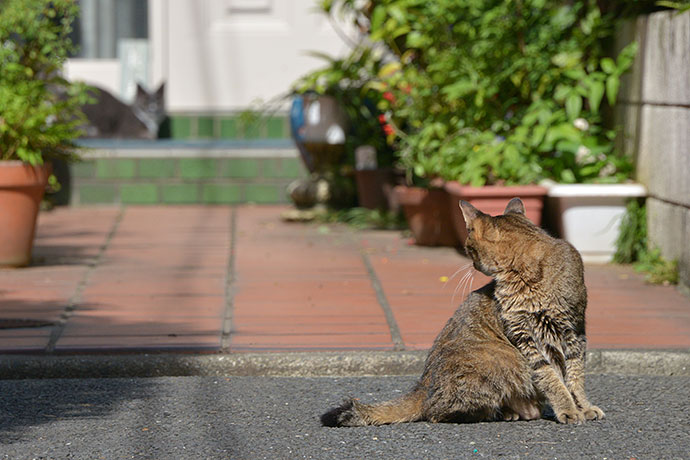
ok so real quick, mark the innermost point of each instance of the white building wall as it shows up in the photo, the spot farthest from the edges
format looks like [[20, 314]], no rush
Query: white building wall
[[224, 55]]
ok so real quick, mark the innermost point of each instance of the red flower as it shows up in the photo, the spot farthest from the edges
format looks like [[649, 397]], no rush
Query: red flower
[[389, 97], [388, 129], [382, 119]]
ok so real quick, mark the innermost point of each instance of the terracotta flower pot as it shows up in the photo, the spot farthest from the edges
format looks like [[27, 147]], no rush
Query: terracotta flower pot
[[426, 211], [492, 200], [21, 190], [375, 187]]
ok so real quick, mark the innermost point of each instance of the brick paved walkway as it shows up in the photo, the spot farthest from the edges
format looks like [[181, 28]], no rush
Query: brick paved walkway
[[205, 279]]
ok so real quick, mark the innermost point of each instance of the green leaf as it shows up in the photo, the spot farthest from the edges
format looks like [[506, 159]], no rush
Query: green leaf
[[538, 135], [680, 6], [626, 57], [568, 177], [397, 13], [458, 89], [573, 105], [561, 92], [512, 154], [321, 55], [563, 131], [415, 39], [596, 93], [608, 66], [567, 59], [576, 73], [590, 170], [612, 85], [377, 17], [399, 31]]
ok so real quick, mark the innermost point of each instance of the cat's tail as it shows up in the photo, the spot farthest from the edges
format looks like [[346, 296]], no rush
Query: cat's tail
[[406, 408]]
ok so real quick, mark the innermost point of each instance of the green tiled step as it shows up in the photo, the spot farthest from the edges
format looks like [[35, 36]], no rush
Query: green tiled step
[[229, 126], [141, 173]]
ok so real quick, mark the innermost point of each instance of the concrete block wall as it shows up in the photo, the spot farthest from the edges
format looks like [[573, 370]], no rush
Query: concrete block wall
[[654, 114]]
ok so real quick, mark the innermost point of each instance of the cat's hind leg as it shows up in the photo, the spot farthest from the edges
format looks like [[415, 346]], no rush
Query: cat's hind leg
[[521, 409]]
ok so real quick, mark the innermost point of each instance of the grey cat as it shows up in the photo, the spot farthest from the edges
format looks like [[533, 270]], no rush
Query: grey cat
[[108, 117]]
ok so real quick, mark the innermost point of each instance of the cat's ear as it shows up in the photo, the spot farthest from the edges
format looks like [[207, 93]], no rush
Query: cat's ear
[[161, 90], [141, 91], [515, 206], [469, 212]]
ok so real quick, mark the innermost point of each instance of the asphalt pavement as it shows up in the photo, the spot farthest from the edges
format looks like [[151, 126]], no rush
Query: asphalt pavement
[[278, 418]]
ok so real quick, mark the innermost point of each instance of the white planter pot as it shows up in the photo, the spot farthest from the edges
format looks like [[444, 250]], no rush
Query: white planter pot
[[589, 215]]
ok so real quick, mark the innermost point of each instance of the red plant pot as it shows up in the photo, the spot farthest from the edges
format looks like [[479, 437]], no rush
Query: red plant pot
[[492, 200], [21, 190], [375, 187], [427, 214]]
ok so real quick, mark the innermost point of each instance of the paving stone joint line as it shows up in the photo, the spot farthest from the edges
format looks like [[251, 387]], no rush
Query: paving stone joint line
[[230, 284], [71, 306], [396, 337]]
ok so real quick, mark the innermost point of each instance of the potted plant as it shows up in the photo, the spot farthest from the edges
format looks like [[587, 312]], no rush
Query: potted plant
[[446, 105], [498, 95], [353, 83], [591, 183], [40, 114]]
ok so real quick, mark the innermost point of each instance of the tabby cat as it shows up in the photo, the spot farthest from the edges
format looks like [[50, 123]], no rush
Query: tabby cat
[[513, 345]]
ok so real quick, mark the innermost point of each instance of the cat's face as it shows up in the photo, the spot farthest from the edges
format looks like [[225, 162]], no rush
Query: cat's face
[[151, 105], [497, 243]]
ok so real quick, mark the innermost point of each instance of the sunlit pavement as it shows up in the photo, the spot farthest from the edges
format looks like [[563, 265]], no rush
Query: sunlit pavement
[[206, 279]]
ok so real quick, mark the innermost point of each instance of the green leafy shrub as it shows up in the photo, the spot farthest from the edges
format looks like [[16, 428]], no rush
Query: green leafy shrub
[[499, 91], [632, 237], [632, 247], [657, 269], [39, 115]]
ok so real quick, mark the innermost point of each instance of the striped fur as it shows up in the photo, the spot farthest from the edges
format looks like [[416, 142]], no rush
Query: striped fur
[[512, 345]]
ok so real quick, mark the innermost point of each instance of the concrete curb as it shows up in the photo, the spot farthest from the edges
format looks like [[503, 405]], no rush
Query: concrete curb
[[301, 364]]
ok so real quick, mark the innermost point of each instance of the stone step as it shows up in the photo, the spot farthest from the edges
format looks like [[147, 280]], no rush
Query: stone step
[[180, 172]]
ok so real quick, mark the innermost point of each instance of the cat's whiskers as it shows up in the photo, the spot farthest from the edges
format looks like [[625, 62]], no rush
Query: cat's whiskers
[[464, 267], [468, 285], [448, 279], [460, 284], [459, 270]]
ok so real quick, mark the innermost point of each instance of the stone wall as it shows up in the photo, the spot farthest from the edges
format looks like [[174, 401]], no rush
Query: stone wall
[[654, 111]]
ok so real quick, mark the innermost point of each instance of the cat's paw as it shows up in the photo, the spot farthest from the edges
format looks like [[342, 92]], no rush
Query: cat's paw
[[509, 415], [570, 416], [593, 413]]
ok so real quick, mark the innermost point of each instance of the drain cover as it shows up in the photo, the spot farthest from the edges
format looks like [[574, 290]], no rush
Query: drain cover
[[11, 323]]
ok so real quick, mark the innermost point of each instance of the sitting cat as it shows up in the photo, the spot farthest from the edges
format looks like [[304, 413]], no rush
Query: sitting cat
[[514, 344], [108, 117]]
